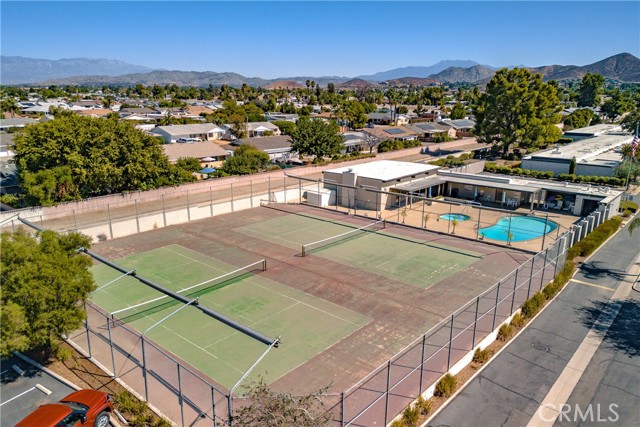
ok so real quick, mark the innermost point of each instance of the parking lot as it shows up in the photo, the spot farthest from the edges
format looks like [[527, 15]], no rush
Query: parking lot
[[20, 395]]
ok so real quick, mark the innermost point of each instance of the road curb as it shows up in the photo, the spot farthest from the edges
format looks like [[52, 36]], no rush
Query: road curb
[[46, 370]]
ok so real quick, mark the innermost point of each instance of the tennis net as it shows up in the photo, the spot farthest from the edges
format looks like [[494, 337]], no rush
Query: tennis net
[[160, 303], [339, 238]]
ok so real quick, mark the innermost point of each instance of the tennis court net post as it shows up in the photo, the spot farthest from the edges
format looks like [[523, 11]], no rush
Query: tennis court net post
[[369, 228]]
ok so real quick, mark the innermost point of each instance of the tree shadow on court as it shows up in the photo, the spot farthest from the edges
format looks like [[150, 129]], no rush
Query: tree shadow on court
[[596, 270], [623, 334]]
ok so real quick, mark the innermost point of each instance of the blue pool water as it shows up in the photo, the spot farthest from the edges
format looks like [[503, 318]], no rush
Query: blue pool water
[[457, 217], [521, 227]]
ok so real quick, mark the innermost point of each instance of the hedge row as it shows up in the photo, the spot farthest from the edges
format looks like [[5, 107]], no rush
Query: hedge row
[[394, 145], [606, 180], [509, 170], [628, 205], [589, 244]]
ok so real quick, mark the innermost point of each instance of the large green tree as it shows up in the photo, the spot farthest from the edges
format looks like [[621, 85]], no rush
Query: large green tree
[[245, 160], [579, 119], [44, 282], [518, 107], [459, 111], [74, 157], [590, 90], [619, 103], [314, 137]]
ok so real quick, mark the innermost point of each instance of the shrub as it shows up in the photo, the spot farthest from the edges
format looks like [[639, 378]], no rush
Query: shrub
[[398, 423], [446, 386], [505, 332], [628, 205], [533, 305], [481, 356], [63, 353], [161, 422], [129, 404], [424, 406], [517, 321], [411, 416], [141, 420]]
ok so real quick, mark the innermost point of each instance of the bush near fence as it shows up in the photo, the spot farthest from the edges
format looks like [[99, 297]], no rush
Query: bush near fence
[[589, 244]]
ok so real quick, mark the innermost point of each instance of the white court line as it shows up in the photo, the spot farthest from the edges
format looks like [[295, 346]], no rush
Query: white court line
[[195, 260]]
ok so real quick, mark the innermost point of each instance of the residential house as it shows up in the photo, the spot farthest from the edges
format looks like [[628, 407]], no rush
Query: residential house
[[426, 131], [209, 153], [203, 131], [463, 127], [277, 147], [272, 117], [17, 122], [260, 129], [399, 133], [355, 141]]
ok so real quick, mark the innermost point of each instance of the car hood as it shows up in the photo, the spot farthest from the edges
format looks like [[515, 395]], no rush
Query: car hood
[[86, 397]]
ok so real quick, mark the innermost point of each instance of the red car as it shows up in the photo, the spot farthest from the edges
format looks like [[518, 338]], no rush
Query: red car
[[81, 408]]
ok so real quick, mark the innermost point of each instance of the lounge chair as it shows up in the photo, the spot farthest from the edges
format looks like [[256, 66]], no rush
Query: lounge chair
[[569, 207], [558, 205]]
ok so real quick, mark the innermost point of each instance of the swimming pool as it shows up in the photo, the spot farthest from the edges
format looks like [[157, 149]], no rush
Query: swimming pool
[[521, 228], [456, 216]]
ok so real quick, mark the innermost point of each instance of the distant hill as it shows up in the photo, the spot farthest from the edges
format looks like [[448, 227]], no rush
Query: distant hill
[[356, 84], [284, 84], [180, 78], [624, 67], [398, 73], [416, 81], [468, 75], [18, 69]]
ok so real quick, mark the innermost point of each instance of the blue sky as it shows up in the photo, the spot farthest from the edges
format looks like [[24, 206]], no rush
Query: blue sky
[[274, 39]]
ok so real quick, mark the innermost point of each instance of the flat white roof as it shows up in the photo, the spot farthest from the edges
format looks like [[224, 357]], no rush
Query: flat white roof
[[585, 149], [594, 130], [386, 170]]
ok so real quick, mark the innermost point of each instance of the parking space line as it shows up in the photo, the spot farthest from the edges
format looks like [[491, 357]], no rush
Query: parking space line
[[37, 387]]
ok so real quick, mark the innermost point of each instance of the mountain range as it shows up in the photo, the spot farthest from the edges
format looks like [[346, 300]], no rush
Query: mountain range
[[623, 67]]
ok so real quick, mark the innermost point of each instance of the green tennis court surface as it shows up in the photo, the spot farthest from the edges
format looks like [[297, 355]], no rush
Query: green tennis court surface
[[307, 324], [411, 261]]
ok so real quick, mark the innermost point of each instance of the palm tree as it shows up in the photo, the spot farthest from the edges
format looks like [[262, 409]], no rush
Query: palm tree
[[454, 223]]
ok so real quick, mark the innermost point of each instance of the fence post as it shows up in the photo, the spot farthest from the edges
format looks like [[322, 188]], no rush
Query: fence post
[[449, 220], [475, 323], [450, 343], [560, 248], [495, 311], [251, 193], [515, 286], [41, 222], [211, 201], [144, 372], [386, 401], [180, 399], [269, 190], [188, 208], [544, 267], [284, 182], [109, 216], [342, 409], [113, 359], [230, 409], [300, 190], [213, 405], [164, 211], [232, 208], [533, 261], [86, 324], [424, 339], [75, 220], [478, 227], [423, 223], [546, 222], [137, 217]]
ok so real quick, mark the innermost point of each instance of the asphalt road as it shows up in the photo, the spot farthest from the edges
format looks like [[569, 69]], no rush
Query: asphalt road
[[509, 391], [19, 396]]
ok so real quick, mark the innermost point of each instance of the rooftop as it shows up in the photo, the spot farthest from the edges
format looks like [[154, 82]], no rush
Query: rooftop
[[594, 130], [386, 170], [585, 150], [198, 150], [199, 128]]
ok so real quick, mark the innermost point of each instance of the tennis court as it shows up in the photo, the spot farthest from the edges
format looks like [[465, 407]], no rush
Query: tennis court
[[246, 296], [371, 248]]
